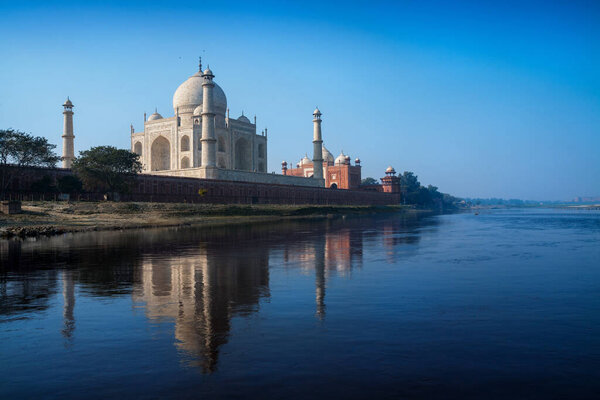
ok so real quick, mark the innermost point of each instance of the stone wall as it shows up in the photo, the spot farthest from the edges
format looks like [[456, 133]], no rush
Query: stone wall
[[243, 176], [157, 188]]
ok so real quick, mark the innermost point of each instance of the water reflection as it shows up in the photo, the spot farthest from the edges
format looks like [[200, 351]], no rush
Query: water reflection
[[201, 292], [68, 292], [197, 280]]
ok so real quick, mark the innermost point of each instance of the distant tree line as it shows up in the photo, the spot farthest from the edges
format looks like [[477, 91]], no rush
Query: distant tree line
[[414, 193], [506, 202]]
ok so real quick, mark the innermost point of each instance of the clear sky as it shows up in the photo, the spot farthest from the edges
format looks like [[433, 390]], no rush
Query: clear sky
[[479, 99]]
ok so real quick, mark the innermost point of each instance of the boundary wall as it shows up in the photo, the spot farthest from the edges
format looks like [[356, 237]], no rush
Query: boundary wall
[[155, 188]]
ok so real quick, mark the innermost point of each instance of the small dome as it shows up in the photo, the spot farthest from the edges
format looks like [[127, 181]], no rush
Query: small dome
[[317, 111], [327, 156], [341, 159], [390, 170], [284, 163], [305, 161], [207, 71], [154, 116], [357, 161], [243, 118], [198, 110], [347, 158], [68, 103]]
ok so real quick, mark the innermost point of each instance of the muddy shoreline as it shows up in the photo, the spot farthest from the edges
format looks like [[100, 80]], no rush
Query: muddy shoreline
[[56, 218]]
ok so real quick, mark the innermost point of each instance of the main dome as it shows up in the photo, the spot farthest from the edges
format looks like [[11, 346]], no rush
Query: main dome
[[188, 96]]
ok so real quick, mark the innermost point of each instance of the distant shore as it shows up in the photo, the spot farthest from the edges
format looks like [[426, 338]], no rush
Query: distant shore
[[55, 218]]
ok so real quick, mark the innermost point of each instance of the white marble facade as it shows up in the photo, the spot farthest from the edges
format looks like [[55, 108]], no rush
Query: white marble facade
[[173, 144]]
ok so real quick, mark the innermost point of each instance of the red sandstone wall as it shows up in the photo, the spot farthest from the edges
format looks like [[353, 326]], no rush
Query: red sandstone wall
[[192, 190]]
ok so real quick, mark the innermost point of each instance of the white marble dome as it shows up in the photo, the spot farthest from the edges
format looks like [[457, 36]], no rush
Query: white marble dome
[[154, 116], [341, 159], [327, 156], [305, 160], [188, 96], [243, 118]]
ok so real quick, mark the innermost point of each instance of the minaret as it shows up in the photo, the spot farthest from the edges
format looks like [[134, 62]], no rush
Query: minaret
[[317, 146], [68, 147], [209, 153]]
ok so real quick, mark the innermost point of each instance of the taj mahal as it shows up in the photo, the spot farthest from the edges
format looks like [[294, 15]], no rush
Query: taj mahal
[[201, 140]]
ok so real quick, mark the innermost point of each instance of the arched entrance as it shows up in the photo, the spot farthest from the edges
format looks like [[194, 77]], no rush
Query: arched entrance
[[221, 144], [243, 158], [185, 162], [185, 143], [333, 186], [137, 148], [160, 154]]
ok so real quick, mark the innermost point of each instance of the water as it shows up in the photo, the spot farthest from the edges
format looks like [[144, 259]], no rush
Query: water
[[505, 304]]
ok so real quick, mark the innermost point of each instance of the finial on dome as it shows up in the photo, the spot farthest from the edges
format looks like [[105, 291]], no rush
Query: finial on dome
[[199, 64], [208, 72]]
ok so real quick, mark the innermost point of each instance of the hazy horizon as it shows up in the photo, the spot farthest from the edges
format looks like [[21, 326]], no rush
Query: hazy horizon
[[482, 101]]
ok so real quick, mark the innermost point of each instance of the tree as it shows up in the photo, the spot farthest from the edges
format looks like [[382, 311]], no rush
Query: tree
[[44, 185], [409, 182], [69, 184], [106, 168], [409, 186], [20, 149], [369, 181]]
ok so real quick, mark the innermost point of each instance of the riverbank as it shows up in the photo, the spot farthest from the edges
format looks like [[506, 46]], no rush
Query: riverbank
[[53, 218]]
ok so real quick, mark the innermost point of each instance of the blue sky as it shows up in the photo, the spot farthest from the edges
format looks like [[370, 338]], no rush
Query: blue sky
[[479, 99]]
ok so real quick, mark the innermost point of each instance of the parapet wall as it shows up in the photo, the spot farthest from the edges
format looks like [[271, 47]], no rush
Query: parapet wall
[[241, 176], [157, 188], [168, 189]]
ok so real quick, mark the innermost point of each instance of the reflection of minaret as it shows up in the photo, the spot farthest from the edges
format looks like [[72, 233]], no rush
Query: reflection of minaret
[[320, 277], [68, 287], [210, 316]]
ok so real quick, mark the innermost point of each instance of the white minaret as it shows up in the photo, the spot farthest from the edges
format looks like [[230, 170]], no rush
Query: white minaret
[[209, 153], [317, 146], [68, 147]]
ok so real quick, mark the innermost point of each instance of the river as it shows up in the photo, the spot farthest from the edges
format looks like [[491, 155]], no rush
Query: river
[[504, 304]]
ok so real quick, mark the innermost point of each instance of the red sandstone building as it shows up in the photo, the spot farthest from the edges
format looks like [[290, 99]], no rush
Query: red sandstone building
[[338, 173]]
